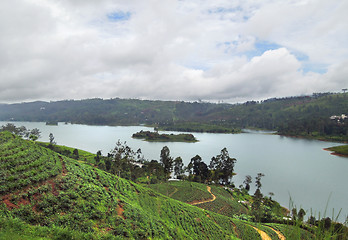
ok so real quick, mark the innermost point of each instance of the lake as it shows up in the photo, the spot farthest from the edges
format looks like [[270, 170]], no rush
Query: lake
[[294, 168]]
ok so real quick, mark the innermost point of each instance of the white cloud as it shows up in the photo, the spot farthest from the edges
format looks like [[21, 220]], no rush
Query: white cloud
[[181, 50]]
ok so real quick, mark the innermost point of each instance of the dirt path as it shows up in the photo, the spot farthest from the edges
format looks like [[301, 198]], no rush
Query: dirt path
[[205, 201], [64, 170], [263, 235], [170, 195], [280, 235]]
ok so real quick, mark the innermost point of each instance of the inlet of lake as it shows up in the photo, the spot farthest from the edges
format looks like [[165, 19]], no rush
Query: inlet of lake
[[294, 168]]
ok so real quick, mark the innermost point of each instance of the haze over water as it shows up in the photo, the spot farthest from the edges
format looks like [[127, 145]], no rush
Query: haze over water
[[296, 168]]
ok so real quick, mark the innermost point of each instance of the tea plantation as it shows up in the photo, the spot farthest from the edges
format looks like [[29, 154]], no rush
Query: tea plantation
[[44, 195]]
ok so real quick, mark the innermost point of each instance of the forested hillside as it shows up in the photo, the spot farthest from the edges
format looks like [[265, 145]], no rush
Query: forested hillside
[[307, 116]]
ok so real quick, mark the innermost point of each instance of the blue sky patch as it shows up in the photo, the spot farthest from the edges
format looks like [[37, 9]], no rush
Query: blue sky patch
[[224, 10], [264, 46], [260, 48], [119, 16], [312, 67]]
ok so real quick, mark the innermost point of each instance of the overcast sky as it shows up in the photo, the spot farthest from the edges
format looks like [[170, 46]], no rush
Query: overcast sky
[[230, 50]]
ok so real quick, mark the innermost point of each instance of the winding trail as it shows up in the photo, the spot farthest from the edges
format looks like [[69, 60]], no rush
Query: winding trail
[[175, 190], [205, 201], [263, 235], [280, 235]]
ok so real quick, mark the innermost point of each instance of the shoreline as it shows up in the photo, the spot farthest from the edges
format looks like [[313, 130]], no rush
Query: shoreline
[[335, 153], [312, 138]]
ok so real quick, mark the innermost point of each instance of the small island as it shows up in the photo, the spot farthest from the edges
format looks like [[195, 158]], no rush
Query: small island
[[156, 137], [52, 123]]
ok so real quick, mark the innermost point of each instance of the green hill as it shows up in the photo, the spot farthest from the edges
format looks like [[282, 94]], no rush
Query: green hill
[[306, 116], [81, 198], [45, 195]]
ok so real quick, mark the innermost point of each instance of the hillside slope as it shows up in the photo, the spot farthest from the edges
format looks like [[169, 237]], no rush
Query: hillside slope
[[44, 195], [85, 199]]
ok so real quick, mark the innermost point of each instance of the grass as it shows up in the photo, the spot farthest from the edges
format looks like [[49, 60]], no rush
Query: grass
[[83, 156], [340, 150], [182, 190], [225, 203]]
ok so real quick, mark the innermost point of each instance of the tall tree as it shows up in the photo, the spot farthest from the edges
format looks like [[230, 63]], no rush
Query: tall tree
[[98, 157], [258, 180], [76, 153], [257, 204], [51, 137], [247, 182], [34, 134], [222, 166], [166, 160], [301, 214], [123, 158], [178, 167], [200, 169]]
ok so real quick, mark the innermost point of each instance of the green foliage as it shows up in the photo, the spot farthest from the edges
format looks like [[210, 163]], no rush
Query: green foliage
[[222, 166], [62, 198], [292, 232], [184, 191], [185, 126], [341, 150], [166, 161], [306, 116], [22, 131], [156, 137], [23, 164], [225, 203], [68, 152], [85, 199]]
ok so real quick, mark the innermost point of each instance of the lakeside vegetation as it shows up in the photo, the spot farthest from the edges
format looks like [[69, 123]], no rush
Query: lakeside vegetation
[[340, 150], [157, 137], [197, 127], [303, 116]]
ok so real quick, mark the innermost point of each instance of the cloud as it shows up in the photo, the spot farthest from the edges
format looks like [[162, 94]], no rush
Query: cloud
[[176, 50]]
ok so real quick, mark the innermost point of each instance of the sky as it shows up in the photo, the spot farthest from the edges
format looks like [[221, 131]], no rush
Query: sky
[[221, 50]]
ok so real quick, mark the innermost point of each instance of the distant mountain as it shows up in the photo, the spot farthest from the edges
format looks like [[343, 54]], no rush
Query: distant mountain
[[307, 116]]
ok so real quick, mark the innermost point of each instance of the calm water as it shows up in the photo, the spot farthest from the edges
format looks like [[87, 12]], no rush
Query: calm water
[[295, 168]]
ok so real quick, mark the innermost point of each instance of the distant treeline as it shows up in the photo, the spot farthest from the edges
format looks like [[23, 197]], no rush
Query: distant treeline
[[307, 116]]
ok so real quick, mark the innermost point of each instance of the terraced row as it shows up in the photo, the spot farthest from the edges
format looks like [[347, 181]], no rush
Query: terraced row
[[21, 166]]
